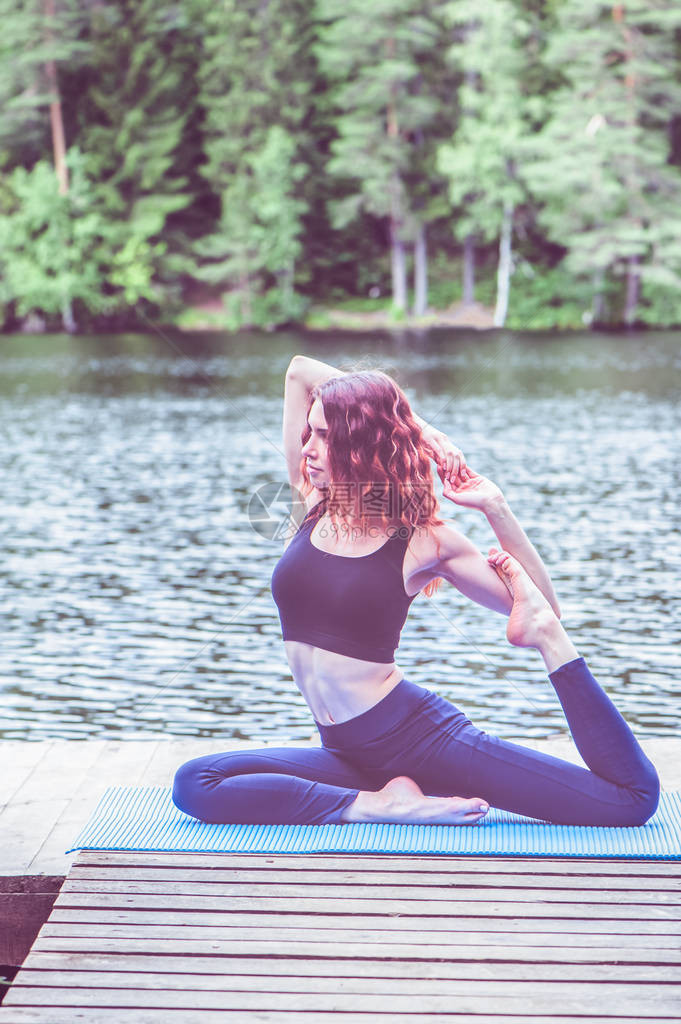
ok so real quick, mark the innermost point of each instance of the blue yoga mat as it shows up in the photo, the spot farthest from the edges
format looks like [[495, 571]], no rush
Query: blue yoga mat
[[145, 818]]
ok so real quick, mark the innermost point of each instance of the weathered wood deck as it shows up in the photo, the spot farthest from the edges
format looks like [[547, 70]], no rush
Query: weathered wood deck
[[196, 939], [140, 938]]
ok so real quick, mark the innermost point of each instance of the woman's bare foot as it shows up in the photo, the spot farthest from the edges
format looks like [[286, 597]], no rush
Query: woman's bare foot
[[532, 621], [401, 800], [531, 613]]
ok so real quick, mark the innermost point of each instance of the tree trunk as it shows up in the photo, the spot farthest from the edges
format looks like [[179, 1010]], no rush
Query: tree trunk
[[469, 270], [598, 301], [504, 268], [59, 150], [56, 119], [245, 298], [633, 282], [398, 266], [398, 262], [470, 77], [633, 268], [420, 272], [67, 318]]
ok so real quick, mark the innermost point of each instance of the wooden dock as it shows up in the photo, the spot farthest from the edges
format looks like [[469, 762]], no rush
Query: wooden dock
[[202, 938], [140, 938]]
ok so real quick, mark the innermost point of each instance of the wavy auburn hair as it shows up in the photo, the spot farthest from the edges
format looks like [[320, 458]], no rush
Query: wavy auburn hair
[[375, 445]]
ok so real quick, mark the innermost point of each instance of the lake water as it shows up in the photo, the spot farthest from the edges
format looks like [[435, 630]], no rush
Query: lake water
[[134, 589]]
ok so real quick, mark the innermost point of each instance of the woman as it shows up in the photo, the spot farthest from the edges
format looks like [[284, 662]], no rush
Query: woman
[[371, 541]]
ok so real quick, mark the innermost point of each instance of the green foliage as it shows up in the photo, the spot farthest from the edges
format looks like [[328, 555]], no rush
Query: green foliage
[[29, 40], [376, 57], [56, 250], [255, 80], [543, 298], [600, 167], [660, 305], [133, 121], [269, 155], [483, 162], [446, 288], [258, 237], [45, 242]]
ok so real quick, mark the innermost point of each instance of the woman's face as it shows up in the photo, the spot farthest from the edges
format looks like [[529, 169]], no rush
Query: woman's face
[[316, 450]]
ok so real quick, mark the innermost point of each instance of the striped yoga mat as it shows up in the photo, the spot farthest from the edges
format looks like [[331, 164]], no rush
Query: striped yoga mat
[[145, 818]]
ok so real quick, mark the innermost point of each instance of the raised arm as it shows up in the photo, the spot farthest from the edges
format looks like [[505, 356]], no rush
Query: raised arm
[[302, 375]]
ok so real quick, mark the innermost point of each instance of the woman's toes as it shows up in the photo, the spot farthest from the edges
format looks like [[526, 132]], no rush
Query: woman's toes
[[471, 810]]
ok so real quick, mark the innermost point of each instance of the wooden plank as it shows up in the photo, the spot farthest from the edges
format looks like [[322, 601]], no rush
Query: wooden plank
[[378, 969], [555, 987], [158, 989], [593, 867], [18, 760], [41, 799], [226, 918], [447, 892], [104, 1015], [539, 953], [243, 876], [123, 760], [350, 905], [466, 1002], [350, 939], [61, 770], [135, 936], [350, 936]]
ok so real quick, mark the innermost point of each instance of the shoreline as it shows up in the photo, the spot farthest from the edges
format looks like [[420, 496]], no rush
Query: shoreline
[[212, 317]]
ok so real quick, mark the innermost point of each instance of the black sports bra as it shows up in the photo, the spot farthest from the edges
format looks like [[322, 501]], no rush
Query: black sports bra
[[351, 605]]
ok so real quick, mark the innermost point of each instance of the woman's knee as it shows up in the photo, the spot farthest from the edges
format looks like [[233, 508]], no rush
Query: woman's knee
[[196, 781], [188, 784], [647, 796], [199, 784]]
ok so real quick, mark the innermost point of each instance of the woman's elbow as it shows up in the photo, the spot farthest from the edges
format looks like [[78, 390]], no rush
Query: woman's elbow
[[294, 365]]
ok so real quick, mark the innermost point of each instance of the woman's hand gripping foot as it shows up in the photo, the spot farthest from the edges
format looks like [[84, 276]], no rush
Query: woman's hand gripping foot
[[401, 800]]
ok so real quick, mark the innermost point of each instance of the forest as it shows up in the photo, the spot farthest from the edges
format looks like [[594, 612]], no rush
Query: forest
[[257, 162]]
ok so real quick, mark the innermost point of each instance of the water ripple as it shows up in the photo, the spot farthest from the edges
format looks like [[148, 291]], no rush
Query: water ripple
[[135, 593]]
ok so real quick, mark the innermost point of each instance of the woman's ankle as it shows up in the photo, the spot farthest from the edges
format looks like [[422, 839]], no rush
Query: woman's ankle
[[555, 646]]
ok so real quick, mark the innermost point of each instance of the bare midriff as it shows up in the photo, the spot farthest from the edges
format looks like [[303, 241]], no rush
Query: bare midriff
[[335, 686]]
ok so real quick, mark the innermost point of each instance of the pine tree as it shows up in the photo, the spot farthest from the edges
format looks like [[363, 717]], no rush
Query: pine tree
[[373, 56], [601, 166], [38, 38], [134, 118], [255, 79], [483, 162]]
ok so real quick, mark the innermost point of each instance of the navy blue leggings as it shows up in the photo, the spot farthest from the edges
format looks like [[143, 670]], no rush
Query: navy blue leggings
[[416, 733]]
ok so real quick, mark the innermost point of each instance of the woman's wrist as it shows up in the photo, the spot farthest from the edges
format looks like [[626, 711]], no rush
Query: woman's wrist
[[497, 509]]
